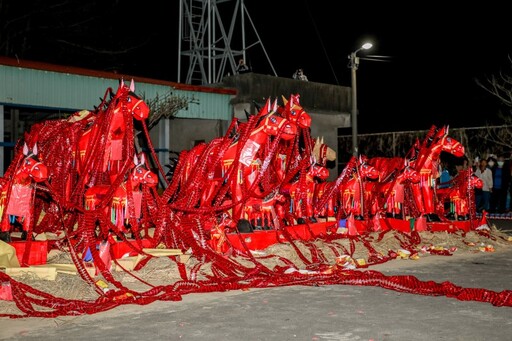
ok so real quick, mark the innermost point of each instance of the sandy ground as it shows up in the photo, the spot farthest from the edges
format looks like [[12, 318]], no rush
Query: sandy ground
[[162, 271]]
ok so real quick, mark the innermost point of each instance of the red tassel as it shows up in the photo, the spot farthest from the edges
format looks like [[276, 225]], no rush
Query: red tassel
[[351, 226]]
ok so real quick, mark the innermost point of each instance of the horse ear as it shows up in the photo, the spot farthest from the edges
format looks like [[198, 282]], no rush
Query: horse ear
[[135, 160], [296, 99], [322, 140], [142, 159], [285, 101], [34, 149], [25, 149], [266, 109], [258, 108], [274, 106], [132, 85]]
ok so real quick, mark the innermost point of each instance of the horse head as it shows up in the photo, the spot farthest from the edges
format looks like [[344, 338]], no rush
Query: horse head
[[134, 103], [322, 152], [365, 170], [318, 171], [409, 174], [31, 165], [272, 124], [449, 144], [295, 113], [141, 174], [452, 146]]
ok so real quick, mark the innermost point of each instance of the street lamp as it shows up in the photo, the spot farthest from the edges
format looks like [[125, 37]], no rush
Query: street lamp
[[354, 63]]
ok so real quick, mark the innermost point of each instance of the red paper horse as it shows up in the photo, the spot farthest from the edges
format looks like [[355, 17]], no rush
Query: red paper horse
[[427, 164], [391, 191], [18, 190], [110, 139], [294, 112], [460, 195], [123, 204], [303, 208], [355, 194], [242, 162]]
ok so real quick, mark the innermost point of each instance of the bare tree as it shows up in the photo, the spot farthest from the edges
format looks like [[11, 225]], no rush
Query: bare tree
[[166, 106], [500, 86], [162, 106]]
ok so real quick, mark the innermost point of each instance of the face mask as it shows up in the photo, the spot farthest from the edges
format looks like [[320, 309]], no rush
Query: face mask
[[501, 163], [490, 163]]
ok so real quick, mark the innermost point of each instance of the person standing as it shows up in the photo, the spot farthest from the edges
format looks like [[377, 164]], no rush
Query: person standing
[[242, 67], [500, 180], [483, 196], [299, 74], [445, 178]]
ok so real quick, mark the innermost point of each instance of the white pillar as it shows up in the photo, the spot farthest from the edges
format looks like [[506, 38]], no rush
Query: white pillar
[[164, 141], [2, 148]]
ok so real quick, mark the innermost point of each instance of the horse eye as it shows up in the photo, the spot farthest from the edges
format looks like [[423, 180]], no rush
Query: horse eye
[[293, 113], [273, 119], [139, 171]]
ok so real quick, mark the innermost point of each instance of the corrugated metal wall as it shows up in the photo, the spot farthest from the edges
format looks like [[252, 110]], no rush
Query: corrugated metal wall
[[21, 86]]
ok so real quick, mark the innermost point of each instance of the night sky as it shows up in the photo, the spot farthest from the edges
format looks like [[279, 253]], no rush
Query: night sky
[[436, 51]]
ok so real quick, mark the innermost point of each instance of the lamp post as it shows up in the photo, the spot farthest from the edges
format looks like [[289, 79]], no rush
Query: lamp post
[[354, 63]]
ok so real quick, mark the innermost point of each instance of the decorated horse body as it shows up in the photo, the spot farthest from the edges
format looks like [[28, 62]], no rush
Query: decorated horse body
[[243, 160], [427, 164], [266, 213], [227, 171], [391, 190], [460, 195], [18, 190], [123, 204], [355, 193], [302, 206], [109, 138], [290, 151], [347, 195]]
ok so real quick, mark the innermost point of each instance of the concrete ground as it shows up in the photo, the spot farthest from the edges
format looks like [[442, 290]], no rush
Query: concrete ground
[[336, 312]]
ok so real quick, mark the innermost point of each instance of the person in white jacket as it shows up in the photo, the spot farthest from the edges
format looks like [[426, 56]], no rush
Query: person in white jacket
[[483, 196]]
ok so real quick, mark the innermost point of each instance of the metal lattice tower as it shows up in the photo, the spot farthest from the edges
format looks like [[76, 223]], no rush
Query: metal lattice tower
[[212, 48]]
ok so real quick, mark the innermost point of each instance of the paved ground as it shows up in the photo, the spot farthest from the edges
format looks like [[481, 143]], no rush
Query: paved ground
[[335, 312]]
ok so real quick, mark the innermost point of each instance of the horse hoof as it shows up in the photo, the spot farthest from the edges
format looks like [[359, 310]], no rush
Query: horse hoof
[[451, 216], [5, 236], [244, 226], [432, 217]]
